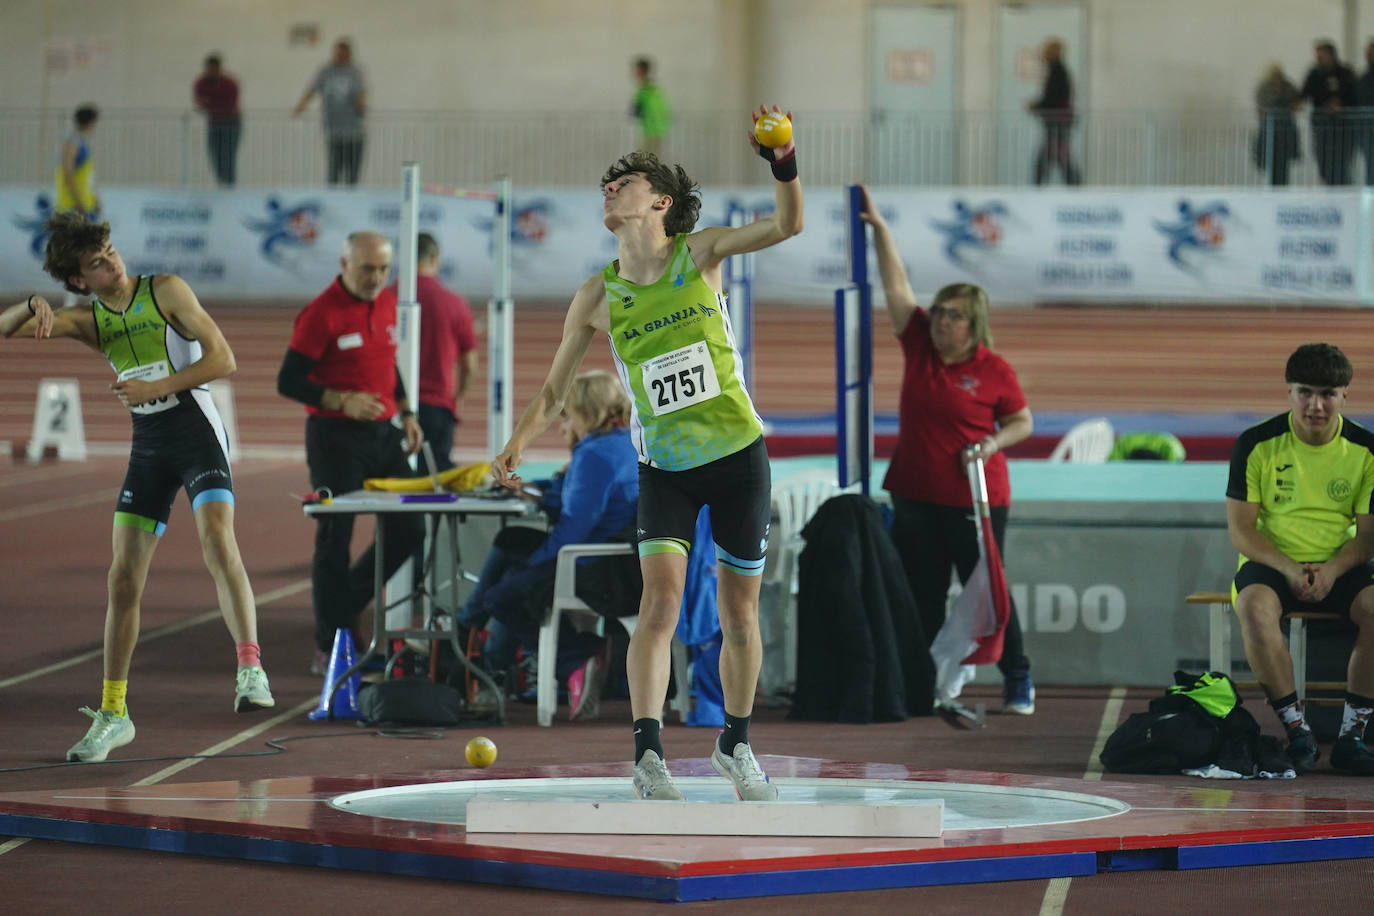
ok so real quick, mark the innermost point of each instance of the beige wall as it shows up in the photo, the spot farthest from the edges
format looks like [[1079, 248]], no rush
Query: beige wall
[[538, 55]]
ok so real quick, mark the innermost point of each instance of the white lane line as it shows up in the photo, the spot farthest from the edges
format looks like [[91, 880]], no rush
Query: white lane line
[[1057, 894], [1110, 714], [265, 598], [57, 505], [12, 845], [215, 749]]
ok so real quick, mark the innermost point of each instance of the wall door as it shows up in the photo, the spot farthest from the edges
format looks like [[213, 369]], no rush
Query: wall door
[[913, 54]]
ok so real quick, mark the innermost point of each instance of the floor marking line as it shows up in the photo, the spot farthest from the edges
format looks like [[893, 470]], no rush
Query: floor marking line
[[167, 630], [214, 749], [1057, 893], [12, 845]]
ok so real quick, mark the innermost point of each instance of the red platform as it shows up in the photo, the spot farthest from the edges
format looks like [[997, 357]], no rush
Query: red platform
[[290, 820]]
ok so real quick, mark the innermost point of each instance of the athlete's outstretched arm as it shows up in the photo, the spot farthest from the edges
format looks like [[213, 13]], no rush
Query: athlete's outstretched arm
[[184, 312], [713, 245], [900, 298], [578, 329]]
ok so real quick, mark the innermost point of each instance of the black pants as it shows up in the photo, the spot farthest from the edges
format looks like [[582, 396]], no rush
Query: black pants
[[345, 159], [1056, 152], [222, 141], [341, 454], [437, 423], [1333, 146], [932, 539]]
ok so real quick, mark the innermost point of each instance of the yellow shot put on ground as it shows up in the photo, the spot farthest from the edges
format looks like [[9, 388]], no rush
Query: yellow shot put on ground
[[480, 752]]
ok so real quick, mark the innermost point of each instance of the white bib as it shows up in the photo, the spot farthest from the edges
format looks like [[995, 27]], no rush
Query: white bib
[[151, 373], [680, 378]]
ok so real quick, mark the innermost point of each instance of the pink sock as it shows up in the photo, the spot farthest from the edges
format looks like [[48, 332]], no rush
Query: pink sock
[[250, 655]]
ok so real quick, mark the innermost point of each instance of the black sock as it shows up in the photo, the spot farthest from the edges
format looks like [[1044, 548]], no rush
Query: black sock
[[736, 732], [646, 738]]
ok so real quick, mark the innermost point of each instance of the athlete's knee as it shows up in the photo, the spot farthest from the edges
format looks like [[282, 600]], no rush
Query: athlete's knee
[[1362, 611], [1258, 610], [658, 613], [125, 582]]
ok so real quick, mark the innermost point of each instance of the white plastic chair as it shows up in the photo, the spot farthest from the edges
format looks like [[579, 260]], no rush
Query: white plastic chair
[[1089, 442], [796, 498], [565, 601]]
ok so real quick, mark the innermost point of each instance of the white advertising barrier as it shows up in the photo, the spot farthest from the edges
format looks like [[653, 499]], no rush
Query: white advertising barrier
[[1185, 244]]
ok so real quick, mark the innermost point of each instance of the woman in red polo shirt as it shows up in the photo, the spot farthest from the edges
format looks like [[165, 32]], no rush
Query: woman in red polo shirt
[[956, 393]]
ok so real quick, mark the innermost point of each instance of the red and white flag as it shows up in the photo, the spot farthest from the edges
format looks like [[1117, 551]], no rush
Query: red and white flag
[[974, 627]]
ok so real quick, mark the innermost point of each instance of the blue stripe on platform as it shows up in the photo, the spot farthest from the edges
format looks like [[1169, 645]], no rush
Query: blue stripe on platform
[[1276, 852], [878, 877]]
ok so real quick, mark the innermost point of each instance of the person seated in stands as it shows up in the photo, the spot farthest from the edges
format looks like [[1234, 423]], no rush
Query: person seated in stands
[[1298, 510], [593, 500]]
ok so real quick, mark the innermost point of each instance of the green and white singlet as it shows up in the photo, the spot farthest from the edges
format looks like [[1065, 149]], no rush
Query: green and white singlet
[[676, 354], [140, 343]]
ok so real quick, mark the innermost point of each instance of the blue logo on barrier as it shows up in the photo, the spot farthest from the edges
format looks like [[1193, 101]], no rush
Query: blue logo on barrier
[[33, 225], [973, 228], [286, 227], [529, 224], [1201, 229]]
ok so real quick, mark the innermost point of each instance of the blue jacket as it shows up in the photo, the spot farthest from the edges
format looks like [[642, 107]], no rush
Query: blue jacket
[[599, 496]]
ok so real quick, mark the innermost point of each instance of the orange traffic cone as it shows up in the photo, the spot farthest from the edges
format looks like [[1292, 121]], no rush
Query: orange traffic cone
[[341, 703]]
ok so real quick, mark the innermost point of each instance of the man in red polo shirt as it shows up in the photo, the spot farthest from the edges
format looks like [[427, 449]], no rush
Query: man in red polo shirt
[[448, 351], [216, 95], [341, 364]]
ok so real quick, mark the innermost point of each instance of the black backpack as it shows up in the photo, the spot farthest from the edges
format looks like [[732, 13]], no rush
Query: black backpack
[[1162, 742]]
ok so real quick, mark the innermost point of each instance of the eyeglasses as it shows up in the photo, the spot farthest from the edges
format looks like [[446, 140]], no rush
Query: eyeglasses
[[939, 311]]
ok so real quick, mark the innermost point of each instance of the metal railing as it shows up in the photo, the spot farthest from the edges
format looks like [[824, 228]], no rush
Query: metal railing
[[1111, 148]]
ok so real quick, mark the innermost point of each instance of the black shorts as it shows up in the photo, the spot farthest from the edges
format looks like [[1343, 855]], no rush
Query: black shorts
[[185, 449], [739, 490], [1337, 601]]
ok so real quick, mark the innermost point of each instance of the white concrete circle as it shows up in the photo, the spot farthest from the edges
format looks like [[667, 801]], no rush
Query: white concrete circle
[[968, 806]]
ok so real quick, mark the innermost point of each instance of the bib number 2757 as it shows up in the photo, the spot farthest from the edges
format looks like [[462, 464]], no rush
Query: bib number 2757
[[680, 378]]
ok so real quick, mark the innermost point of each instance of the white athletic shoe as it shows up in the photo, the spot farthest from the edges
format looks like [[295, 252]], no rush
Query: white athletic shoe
[[751, 783], [251, 690], [106, 733], [653, 782]]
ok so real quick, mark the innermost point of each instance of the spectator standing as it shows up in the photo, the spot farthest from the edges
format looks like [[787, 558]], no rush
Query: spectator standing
[[1364, 113], [650, 108], [343, 97], [1276, 144], [1055, 109], [75, 174], [341, 364], [216, 95], [448, 352], [1330, 87]]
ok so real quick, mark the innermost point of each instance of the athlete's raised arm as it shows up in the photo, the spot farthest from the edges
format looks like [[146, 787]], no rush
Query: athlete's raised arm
[[712, 245]]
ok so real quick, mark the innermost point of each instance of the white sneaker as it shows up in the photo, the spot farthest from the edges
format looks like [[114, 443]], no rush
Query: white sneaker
[[106, 733], [653, 782], [751, 783], [251, 690]]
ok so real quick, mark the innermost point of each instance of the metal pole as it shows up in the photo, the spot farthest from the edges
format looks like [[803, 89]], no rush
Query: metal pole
[[500, 325], [401, 615]]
